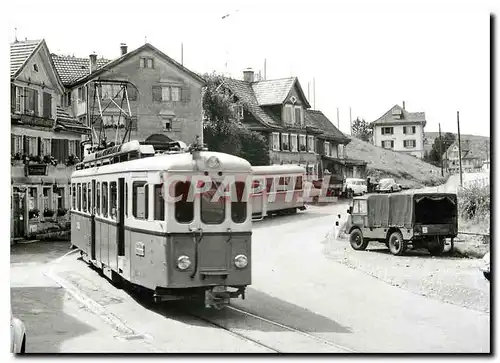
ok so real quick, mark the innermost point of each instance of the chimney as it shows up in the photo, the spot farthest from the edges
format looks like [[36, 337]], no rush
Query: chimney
[[404, 105], [123, 48], [93, 62], [248, 75]]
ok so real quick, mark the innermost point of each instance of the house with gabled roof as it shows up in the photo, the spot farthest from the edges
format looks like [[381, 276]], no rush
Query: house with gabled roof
[[473, 157], [331, 151], [163, 97], [401, 131], [45, 140], [276, 108]]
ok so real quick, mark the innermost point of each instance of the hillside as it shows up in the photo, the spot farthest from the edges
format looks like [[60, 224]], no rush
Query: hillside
[[383, 163], [477, 143]]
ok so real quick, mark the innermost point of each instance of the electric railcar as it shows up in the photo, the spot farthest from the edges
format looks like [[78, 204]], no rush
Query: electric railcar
[[185, 244], [278, 190]]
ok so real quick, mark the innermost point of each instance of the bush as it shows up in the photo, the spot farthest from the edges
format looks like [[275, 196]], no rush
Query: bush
[[33, 213], [61, 212], [474, 207]]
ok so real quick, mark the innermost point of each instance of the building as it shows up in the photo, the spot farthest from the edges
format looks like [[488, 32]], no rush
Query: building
[[330, 148], [400, 131], [45, 140], [472, 158], [163, 103]]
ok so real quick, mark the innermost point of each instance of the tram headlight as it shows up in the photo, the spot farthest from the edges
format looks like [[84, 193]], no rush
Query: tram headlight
[[213, 162], [183, 262], [241, 261]]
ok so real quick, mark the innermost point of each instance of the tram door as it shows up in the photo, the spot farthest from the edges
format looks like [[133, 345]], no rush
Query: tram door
[[92, 222], [120, 233]]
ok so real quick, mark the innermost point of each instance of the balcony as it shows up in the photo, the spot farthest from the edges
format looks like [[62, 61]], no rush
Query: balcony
[[31, 120]]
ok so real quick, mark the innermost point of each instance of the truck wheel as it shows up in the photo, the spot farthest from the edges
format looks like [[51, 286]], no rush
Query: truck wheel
[[357, 241], [397, 245], [436, 249]]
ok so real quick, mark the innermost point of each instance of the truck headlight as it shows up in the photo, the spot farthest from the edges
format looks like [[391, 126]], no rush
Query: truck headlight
[[183, 262], [241, 261]]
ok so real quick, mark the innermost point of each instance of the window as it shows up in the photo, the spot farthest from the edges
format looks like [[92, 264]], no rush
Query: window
[[165, 93], [60, 198], [167, 124], [140, 200], [105, 199], [276, 141], [19, 99], [33, 198], [67, 99], [175, 94], [113, 196], [98, 198], [298, 183], [17, 144], [286, 145], [327, 148], [409, 144], [239, 112], [212, 211], [32, 145], [288, 114], [388, 144], [293, 142], [71, 147], [84, 198], [184, 210], [363, 207], [146, 62], [73, 196], [89, 198], [47, 105], [31, 101], [239, 207], [79, 197], [46, 147], [269, 184], [299, 118], [310, 143], [46, 198], [387, 130], [355, 210], [35, 67], [159, 203], [302, 143], [82, 95], [126, 199]]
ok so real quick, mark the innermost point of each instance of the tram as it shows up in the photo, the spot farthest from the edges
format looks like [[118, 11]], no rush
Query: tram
[[154, 220], [278, 190]]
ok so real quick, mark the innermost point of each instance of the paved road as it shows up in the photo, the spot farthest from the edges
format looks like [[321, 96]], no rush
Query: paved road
[[294, 283]]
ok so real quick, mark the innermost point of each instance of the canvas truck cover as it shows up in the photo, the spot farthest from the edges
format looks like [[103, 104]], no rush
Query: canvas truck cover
[[378, 210], [436, 196], [401, 210]]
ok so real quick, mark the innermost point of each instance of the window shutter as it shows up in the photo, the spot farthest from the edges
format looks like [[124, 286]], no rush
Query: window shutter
[[12, 97], [54, 147], [392, 143], [157, 94], [78, 149], [414, 129], [39, 146], [185, 94], [404, 130], [65, 149], [35, 101]]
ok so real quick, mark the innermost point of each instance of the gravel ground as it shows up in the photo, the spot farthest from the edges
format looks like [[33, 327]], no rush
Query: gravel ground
[[450, 279]]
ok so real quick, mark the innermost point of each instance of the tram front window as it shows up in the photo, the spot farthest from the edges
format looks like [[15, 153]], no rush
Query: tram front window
[[184, 210], [238, 204], [213, 207]]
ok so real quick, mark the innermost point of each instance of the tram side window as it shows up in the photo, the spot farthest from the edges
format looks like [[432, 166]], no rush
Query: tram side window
[[184, 209], [89, 198], [105, 199], [73, 196], [140, 200], [269, 182], [298, 183], [79, 197], [213, 210], [98, 198], [84, 198], [239, 206], [159, 203], [126, 199], [113, 194]]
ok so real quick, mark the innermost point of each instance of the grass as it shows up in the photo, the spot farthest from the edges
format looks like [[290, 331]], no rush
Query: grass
[[405, 169]]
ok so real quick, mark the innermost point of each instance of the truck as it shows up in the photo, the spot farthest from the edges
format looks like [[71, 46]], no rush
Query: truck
[[408, 219]]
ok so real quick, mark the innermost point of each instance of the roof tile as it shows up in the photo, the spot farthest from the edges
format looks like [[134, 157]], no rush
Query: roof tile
[[272, 92], [71, 68], [318, 119], [20, 52], [410, 117]]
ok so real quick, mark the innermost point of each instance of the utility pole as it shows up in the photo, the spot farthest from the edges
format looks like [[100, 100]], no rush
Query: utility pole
[[265, 69], [441, 149], [182, 54], [350, 121], [314, 92], [459, 148], [308, 98], [338, 122]]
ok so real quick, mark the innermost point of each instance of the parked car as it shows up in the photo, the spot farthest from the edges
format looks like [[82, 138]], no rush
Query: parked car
[[387, 186], [17, 336], [419, 220], [355, 186], [486, 266]]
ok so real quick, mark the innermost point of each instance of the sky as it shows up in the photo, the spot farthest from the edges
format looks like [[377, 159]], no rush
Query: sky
[[360, 57]]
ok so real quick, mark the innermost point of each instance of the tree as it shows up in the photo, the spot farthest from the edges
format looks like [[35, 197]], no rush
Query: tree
[[222, 131], [440, 144], [362, 130]]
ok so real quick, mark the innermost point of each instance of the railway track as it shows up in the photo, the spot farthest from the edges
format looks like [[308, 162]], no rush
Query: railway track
[[273, 336]]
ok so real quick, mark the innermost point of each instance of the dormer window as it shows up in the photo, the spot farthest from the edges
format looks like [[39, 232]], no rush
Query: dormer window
[[239, 112], [35, 67]]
